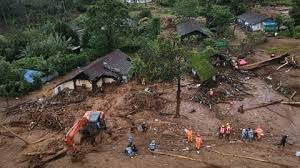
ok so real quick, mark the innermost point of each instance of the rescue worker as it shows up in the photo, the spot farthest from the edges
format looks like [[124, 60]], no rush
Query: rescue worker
[[283, 141], [129, 151], [244, 134], [258, 133], [152, 146], [198, 142], [250, 134], [102, 123], [210, 95], [222, 131], [144, 126], [227, 131], [130, 140], [189, 134]]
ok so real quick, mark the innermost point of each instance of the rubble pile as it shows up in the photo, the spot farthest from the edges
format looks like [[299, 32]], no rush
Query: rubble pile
[[48, 113], [230, 88], [144, 101]]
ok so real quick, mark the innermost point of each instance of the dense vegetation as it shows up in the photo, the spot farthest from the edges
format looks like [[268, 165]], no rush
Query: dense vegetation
[[45, 35]]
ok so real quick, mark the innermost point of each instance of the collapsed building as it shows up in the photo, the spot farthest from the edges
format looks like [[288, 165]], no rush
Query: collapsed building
[[111, 68]]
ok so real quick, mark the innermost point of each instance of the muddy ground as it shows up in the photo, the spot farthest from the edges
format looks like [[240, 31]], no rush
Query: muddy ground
[[288, 78], [127, 106]]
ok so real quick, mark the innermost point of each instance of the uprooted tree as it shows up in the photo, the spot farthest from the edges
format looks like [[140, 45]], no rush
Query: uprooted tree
[[162, 60]]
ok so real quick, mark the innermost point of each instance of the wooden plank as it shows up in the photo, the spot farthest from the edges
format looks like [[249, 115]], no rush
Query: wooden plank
[[261, 105], [262, 63]]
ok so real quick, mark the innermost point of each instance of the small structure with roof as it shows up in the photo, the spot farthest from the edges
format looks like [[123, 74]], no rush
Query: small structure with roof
[[30, 75], [256, 22], [191, 27], [113, 67]]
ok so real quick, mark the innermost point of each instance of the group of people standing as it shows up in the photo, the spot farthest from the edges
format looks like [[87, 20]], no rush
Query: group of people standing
[[246, 134], [131, 149], [225, 131], [249, 134], [189, 137]]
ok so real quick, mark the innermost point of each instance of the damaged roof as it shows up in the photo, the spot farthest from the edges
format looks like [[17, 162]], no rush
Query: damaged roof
[[114, 64], [252, 17], [190, 26]]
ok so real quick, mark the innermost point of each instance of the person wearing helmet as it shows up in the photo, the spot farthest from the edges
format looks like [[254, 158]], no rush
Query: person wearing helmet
[[221, 131], [210, 95], [198, 142], [189, 134], [130, 140], [227, 131], [258, 133], [152, 146], [283, 141]]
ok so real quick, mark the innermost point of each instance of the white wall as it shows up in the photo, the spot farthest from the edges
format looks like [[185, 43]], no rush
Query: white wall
[[87, 84], [69, 85], [108, 80], [80, 83], [257, 27]]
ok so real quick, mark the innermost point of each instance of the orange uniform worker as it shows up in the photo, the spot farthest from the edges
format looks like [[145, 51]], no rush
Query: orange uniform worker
[[222, 131], [227, 131], [198, 142], [189, 135], [258, 132]]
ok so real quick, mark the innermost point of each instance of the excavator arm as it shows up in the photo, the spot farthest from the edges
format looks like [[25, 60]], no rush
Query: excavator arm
[[72, 132]]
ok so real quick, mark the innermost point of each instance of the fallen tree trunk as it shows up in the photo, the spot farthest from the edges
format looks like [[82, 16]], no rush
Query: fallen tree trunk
[[291, 103], [16, 135], [40, 153], [58, 155], [249, 158], [262, 63], [259, 106]]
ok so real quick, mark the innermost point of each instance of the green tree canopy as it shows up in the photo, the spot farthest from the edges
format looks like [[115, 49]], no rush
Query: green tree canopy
[[187, 8], [107, 23], [295, 11], [164, 60], [219, 17]]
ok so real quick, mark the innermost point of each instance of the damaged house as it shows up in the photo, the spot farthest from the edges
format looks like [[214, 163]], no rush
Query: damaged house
[[111, 68]]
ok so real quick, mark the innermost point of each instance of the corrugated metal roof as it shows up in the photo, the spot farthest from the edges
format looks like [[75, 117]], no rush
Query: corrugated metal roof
[[252, 17], [188, 27]]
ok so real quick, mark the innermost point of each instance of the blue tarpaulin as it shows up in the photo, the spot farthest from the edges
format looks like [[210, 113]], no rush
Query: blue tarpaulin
[[30, 74]]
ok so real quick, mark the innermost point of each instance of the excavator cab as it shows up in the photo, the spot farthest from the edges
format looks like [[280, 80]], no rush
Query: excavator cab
[[94, 124], [87, 128]]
